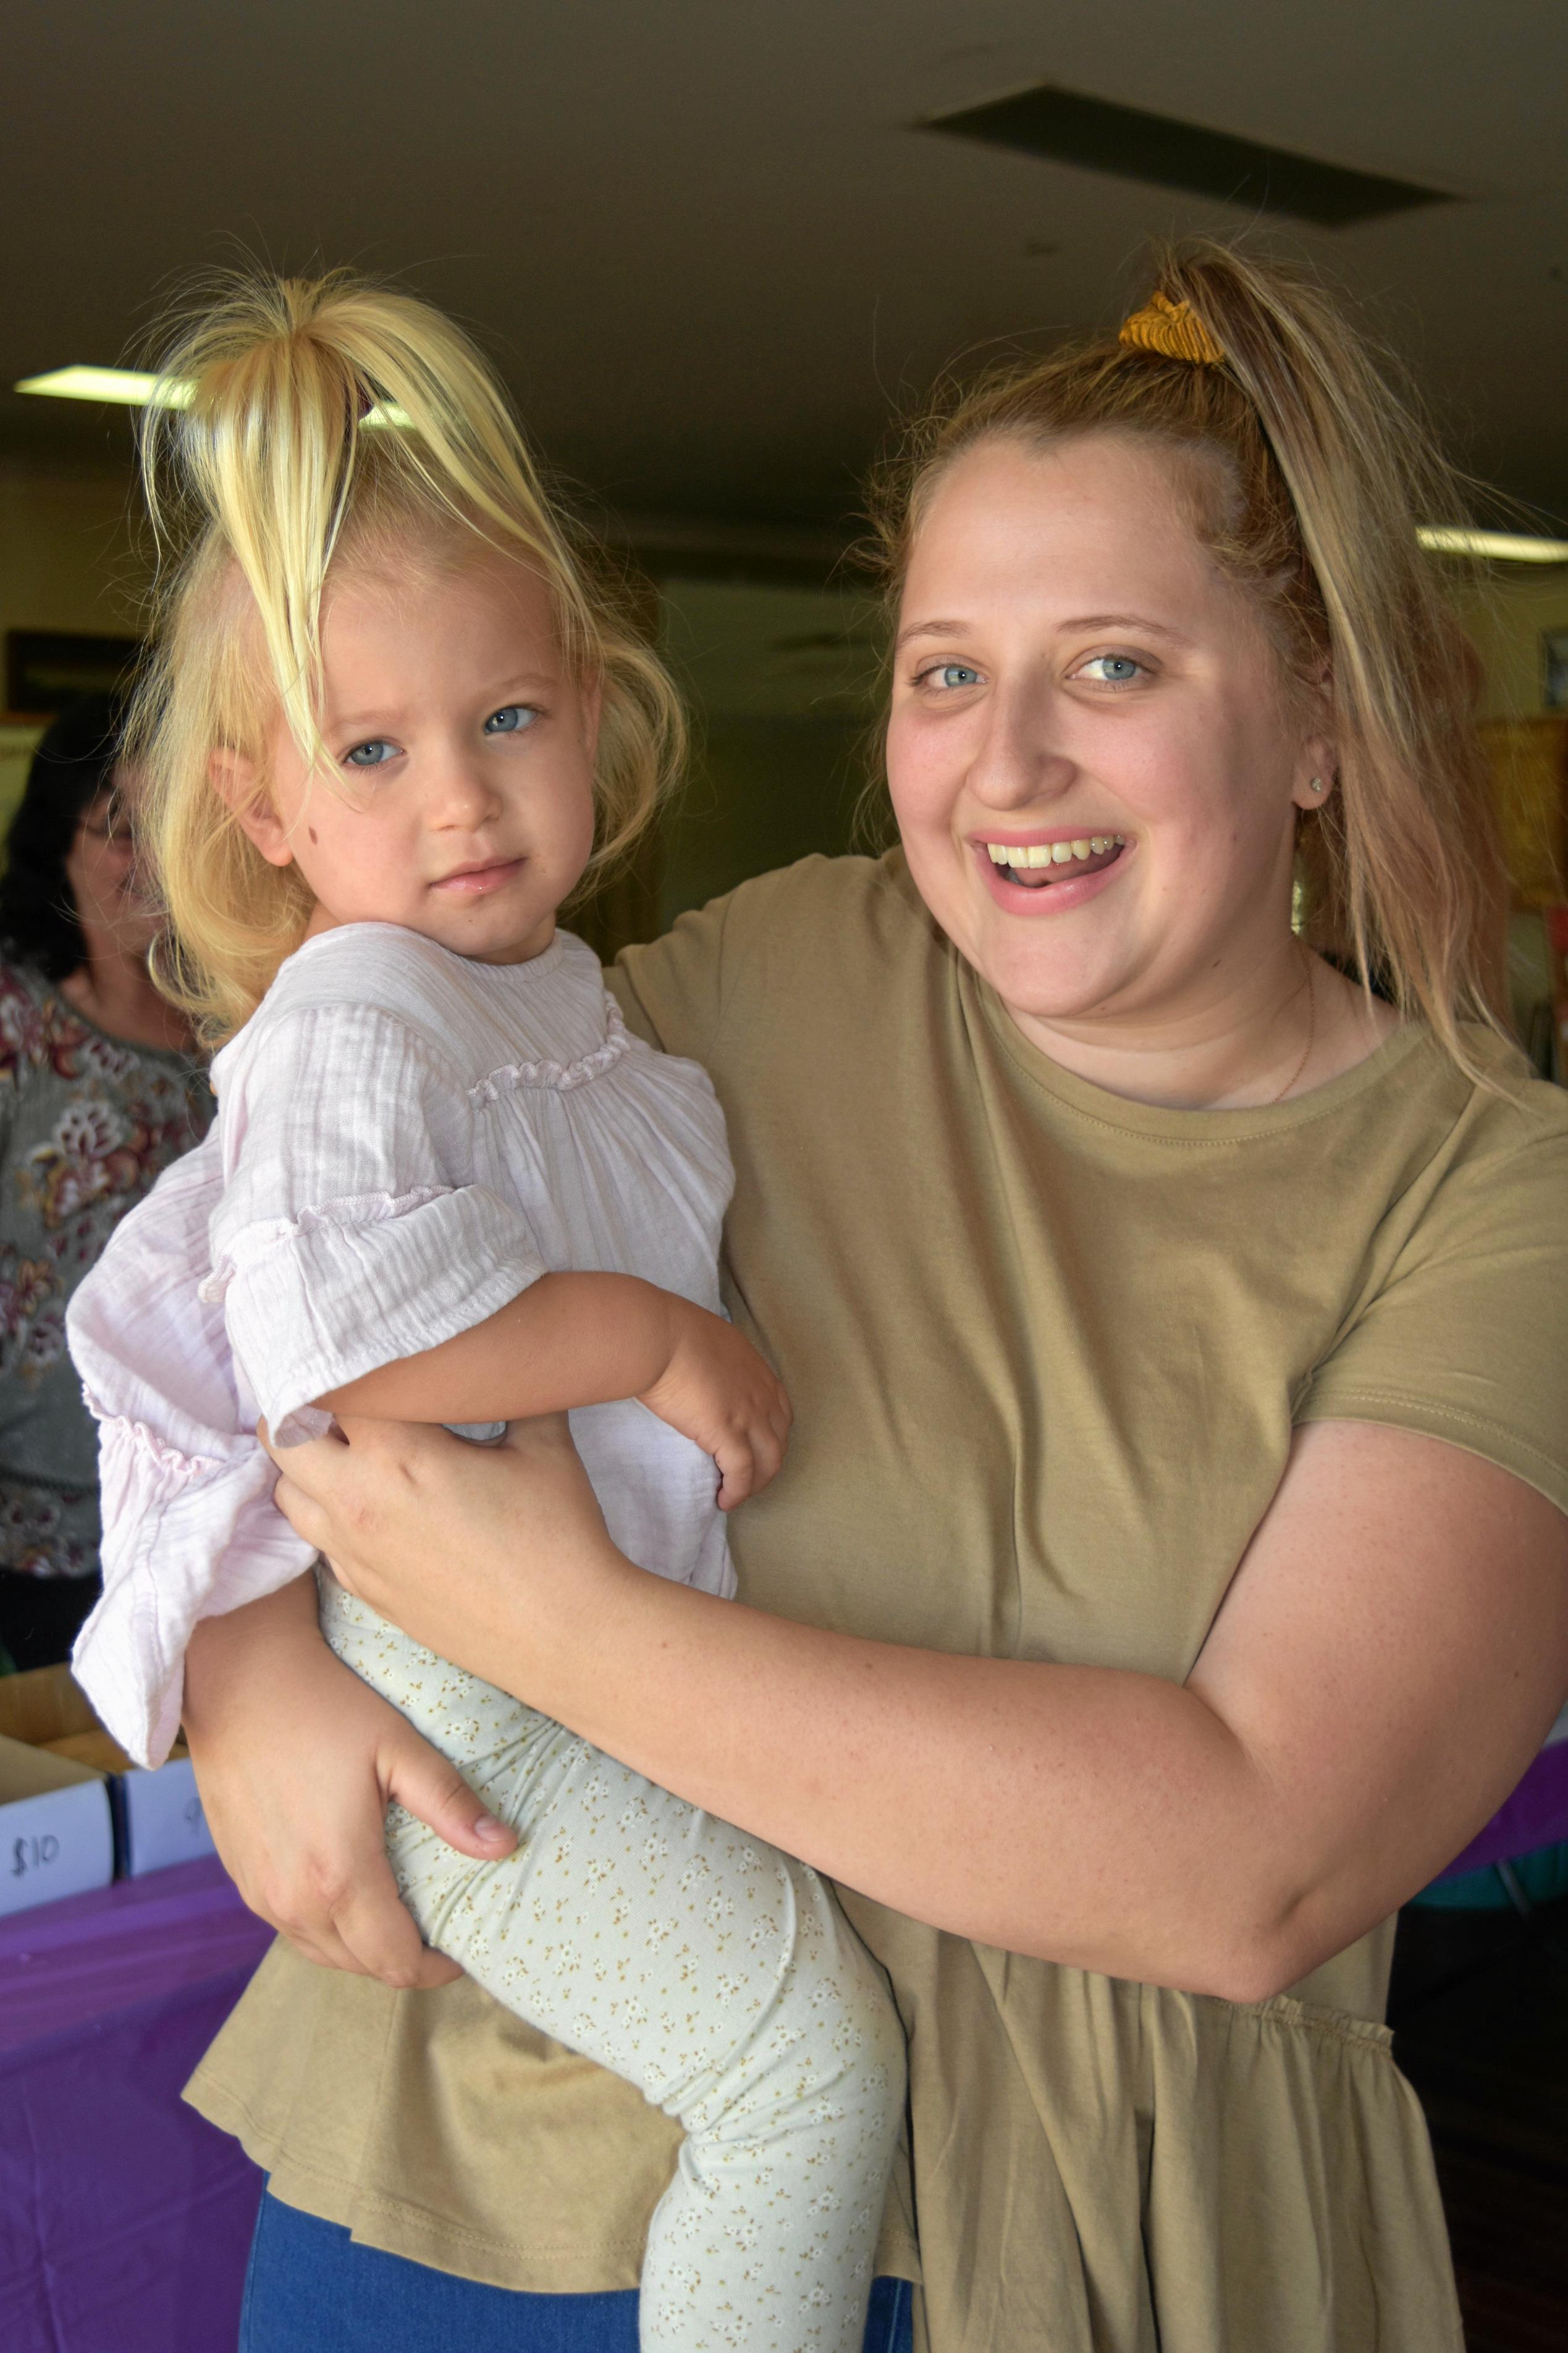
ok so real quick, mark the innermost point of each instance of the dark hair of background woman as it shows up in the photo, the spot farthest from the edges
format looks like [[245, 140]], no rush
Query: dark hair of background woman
[[73, 765]]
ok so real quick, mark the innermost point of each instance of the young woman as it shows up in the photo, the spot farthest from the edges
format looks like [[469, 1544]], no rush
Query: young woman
[[1170, 1570]]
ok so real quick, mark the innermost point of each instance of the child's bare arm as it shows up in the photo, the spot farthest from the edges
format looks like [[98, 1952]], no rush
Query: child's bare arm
[[584, 1339]]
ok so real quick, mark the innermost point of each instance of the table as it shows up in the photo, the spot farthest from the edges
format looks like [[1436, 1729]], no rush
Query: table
[[125, 2218], [1535, 1816]]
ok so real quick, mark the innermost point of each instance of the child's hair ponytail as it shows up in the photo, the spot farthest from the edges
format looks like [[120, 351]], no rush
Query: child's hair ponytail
[[303, 421], [1322, 478]]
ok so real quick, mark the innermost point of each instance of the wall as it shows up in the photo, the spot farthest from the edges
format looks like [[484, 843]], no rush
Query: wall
[[67, 560], [783, 684], [783, 679], [67, 556], [1505, 615]]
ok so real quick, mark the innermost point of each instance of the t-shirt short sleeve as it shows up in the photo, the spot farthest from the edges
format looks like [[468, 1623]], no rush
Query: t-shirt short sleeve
[[349, 1232], [1464, 1334], [676, 991]]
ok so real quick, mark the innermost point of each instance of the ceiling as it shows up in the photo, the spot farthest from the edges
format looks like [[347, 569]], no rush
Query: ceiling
[[703, 239]]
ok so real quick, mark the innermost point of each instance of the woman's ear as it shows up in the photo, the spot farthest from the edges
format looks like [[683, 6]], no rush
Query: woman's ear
[[1315, 780], [235, 777], [1317, 769]]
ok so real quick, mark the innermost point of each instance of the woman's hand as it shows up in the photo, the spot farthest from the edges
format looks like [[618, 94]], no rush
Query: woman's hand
[[297, 1761], [465, 1547]]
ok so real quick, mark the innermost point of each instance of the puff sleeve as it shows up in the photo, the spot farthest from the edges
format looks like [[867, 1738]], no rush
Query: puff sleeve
[[190, 1530], [351, 1230]]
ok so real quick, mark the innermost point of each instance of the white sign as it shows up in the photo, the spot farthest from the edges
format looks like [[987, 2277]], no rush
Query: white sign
[[60, 1843], [164, 1819]]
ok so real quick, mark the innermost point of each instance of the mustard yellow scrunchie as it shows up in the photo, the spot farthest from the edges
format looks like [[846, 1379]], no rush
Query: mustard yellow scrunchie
[[1174, 330]]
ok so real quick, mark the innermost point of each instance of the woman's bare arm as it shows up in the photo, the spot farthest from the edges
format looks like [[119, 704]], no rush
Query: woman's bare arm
[[297, 1761], [1392, 1650]]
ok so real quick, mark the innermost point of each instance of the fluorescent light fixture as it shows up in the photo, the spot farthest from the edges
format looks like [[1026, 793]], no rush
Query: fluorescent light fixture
[[1498, 546], [128, 387], [132, 388]]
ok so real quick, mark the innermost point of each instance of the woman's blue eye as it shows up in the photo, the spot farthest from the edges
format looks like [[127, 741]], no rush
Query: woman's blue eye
[[374, 754], [1116, 670], [512, 720], [952, 675]]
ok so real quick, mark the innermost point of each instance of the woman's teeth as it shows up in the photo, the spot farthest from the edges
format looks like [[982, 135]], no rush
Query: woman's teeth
[[1054, 853]]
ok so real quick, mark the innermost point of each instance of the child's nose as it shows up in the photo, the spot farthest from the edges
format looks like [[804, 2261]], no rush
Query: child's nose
[[465, 795]]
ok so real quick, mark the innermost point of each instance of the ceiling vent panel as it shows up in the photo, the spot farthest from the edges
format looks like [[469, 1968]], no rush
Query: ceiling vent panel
[[1064, 127]]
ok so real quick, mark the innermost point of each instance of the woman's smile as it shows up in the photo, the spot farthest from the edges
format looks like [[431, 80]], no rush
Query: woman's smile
[[1048, 873]]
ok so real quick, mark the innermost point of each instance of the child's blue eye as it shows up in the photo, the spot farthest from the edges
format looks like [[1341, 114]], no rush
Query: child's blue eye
[[1115, 669], [374, 754], [512, 720]]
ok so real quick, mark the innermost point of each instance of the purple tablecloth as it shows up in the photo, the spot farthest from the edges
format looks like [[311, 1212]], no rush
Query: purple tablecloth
[[1535, 1816], [124, 2219]]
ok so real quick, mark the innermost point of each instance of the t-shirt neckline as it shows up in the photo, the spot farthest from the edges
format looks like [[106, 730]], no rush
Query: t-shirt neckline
[[1125, 1112], [1176, 1122]]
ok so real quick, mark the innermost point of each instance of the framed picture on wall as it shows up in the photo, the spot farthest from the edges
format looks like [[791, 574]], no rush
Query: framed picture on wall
[[1554, 669], [46, 668]]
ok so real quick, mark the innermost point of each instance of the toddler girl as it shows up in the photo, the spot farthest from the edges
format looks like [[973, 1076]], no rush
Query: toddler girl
[[390, 716]]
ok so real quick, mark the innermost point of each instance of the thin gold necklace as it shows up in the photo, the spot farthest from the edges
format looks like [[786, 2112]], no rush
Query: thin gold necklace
[[1311, 1026]]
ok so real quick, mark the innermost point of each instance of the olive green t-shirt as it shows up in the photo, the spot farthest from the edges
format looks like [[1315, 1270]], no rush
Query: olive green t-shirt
[[1046, 1347]]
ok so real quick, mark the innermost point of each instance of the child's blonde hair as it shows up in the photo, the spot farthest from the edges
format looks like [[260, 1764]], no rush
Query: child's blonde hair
[[1323, 476], [310, 421]]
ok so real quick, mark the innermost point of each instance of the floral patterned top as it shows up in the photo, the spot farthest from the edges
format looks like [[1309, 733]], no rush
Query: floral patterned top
[[87, 1123]]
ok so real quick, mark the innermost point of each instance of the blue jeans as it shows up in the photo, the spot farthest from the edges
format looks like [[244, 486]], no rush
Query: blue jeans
[[308, 2286]]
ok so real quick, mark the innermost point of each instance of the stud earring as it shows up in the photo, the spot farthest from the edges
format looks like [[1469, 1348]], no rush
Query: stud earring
[[1316, 785]]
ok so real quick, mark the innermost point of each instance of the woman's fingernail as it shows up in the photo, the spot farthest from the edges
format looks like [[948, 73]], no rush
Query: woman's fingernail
[[487, 1827]]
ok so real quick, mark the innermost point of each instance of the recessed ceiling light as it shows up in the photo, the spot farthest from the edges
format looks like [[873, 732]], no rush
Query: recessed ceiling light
[[132, 388], [1064, 126], [1500, 546]]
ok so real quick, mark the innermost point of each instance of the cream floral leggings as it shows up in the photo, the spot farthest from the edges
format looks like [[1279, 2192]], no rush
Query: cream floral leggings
[[714, 1973]]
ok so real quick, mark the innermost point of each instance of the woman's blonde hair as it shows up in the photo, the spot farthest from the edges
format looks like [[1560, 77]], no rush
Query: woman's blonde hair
[[307, 423], [1324, 474]]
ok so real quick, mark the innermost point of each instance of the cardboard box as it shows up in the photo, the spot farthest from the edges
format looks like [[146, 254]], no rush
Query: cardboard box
[[57, 1827], [156, 1816]]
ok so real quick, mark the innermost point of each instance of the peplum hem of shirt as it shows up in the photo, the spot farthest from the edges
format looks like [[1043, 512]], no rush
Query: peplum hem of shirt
[[1152, 2115]]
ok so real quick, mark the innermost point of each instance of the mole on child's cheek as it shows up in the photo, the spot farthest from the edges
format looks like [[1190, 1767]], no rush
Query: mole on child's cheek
[[311, 831]]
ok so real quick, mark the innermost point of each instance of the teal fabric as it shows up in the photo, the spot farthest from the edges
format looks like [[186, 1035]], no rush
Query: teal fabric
[[1541, 1877]]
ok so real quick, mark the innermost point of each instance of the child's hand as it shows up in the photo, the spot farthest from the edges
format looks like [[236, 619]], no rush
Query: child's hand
[[717, 1391]]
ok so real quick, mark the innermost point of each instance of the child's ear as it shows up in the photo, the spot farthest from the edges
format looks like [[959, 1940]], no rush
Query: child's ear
[[235, 776]]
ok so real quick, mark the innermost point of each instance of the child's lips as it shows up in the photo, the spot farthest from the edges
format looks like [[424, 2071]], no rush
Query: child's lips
[[475, 882]]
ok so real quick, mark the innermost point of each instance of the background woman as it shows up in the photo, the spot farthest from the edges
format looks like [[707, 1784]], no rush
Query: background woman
[[99, 1090], [1170, 1571]]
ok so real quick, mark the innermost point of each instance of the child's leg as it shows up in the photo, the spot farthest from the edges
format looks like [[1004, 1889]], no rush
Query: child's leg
[[711, 1971]]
